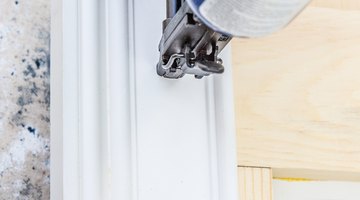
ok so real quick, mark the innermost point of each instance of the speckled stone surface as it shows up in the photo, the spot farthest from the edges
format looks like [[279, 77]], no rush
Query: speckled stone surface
[[24, 99]]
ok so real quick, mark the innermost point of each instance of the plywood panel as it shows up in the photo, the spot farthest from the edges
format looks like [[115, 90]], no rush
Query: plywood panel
[[338, 4], [255, 183], [298, 97]]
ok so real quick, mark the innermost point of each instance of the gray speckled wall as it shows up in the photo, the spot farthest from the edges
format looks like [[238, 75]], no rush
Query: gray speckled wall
[[24, 99]]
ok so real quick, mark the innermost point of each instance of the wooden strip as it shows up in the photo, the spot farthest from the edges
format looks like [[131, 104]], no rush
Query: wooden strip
[[267, 180], [297, 97], [242, 183], [255, 183], [249, 184]]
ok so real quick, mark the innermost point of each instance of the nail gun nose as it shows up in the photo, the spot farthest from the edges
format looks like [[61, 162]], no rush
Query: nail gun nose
[[210, 66]]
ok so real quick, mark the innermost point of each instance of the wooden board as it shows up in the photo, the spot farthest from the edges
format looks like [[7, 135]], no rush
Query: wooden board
[[338, 4], [255, 183], [298, 97]]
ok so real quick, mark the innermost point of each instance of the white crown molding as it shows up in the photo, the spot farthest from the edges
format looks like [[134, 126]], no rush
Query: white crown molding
[[119, 131]]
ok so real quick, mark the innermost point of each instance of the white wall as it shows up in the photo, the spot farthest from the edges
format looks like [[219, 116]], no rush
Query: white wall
[[284, 190]]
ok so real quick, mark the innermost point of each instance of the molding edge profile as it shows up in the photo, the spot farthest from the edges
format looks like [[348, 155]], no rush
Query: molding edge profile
[[110, 130]]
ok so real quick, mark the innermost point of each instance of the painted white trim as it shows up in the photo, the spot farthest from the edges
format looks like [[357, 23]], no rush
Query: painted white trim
[[112, 115], [56, 129], [118, 169], [133, 101], [64, 101], [225, 131]]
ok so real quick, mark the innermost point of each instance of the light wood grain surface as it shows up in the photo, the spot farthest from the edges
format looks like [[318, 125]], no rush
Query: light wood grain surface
[[255, 183], [298, 97], [337, 4]]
